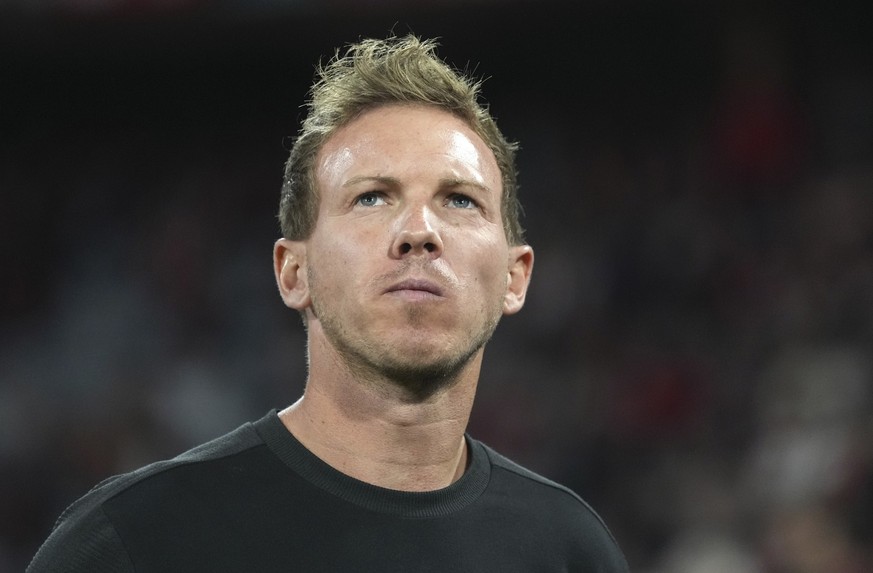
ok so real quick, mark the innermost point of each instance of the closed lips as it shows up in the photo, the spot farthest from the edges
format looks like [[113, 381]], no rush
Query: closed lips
[[416, 284]]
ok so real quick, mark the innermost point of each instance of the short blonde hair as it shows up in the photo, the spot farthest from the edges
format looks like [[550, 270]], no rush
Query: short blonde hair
[[372, 73]]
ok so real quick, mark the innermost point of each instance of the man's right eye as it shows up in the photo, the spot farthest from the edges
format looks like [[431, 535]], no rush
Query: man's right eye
[[371, 199]]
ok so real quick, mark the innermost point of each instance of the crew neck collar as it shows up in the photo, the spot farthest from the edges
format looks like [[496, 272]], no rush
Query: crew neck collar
[[402, 503]]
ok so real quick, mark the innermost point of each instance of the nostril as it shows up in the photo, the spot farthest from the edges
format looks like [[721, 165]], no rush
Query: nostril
[[418, 248]]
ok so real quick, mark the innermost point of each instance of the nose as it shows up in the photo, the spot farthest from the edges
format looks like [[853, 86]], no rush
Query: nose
[[416, 233]]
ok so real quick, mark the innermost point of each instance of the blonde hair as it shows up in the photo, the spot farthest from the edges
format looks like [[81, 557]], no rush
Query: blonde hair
[[372, 73]]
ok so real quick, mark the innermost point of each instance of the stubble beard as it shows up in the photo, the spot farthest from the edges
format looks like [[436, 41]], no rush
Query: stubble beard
[[388, 369]]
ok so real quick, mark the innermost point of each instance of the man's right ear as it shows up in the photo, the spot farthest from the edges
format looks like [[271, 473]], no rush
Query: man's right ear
[[289, 266]]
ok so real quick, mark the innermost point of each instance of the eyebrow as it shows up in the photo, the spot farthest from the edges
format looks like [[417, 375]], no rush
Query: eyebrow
[[392, 181], [446, 182], [455, 182]]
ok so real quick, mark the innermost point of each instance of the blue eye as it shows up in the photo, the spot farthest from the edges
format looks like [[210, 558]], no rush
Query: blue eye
[[371, 199], [461, 202]]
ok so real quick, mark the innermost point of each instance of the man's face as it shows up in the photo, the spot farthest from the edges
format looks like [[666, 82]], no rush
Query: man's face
[[408, 269]]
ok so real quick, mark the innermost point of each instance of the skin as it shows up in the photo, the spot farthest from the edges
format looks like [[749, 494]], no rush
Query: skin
[[402, 283]]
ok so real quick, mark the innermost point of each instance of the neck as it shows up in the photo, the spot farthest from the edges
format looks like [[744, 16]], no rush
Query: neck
[[375, 434]]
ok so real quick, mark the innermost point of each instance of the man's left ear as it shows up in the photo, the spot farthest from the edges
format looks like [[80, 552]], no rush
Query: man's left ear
[[521, 259]]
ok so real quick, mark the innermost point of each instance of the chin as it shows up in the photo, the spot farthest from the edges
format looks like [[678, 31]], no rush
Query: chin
[[425, 376], [421, 382]]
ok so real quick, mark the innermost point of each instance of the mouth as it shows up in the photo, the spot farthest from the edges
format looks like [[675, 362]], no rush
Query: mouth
[[415, 289]]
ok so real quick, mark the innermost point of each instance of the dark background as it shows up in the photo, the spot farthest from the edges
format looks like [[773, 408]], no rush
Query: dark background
[[694, 358]]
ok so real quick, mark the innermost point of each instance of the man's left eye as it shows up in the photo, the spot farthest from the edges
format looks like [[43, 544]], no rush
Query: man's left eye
[[461, 202]]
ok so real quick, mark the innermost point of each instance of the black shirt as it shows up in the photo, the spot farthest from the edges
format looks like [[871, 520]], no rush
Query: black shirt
[[257, 500]]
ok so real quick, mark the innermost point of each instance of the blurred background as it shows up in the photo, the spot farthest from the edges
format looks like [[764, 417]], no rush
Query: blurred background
[[694, 358]]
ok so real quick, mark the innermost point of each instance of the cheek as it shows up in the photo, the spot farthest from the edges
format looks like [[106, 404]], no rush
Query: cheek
[[338, 258], [491, 255], [489, 270]]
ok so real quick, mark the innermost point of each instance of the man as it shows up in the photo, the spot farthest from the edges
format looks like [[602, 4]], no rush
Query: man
[[401, 250]]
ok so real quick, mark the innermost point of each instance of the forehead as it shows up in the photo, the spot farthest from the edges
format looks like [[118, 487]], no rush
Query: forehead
[[408, 138]]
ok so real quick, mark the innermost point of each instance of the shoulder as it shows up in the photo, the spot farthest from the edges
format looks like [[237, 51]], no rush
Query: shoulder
[[556, 509], [211, 454], [86, 536], [539, 486]]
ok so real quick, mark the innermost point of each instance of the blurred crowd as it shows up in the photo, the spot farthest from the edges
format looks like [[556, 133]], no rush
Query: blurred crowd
[[694, 358]]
